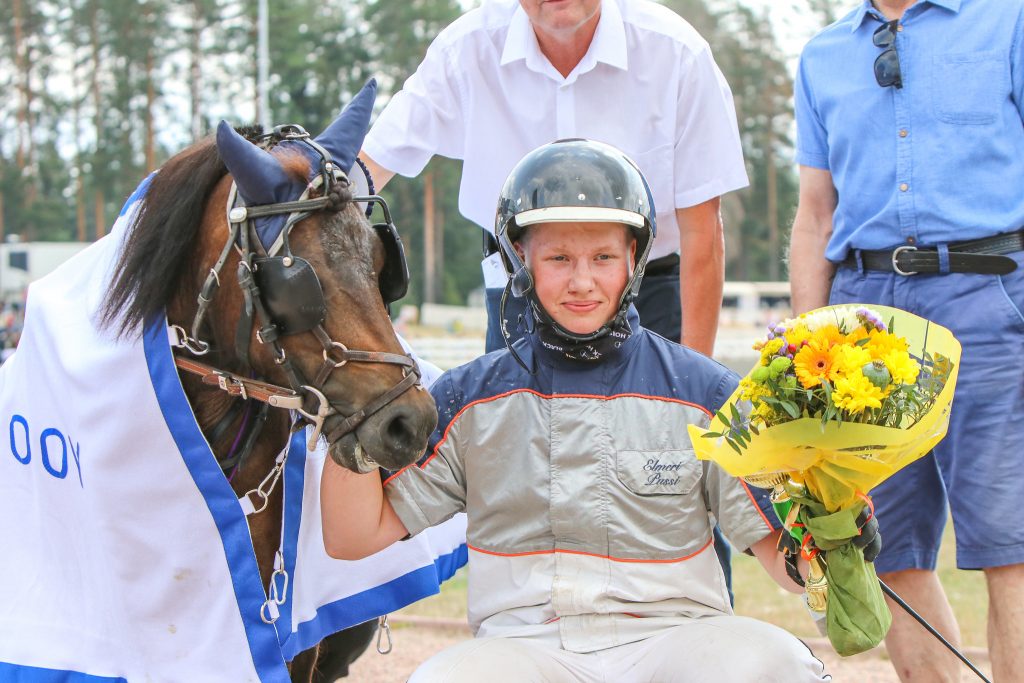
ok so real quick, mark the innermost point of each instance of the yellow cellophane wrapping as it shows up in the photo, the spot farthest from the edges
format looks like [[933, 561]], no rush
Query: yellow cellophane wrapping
[[840, 460]]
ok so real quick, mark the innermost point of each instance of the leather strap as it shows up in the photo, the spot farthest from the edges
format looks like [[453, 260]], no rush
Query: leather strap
[[985, 256], [354, 420], [236, 385]]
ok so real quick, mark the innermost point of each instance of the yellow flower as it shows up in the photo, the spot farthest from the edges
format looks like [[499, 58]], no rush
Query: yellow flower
[[765, 414], [798, 335], [856, 335], [881, 343], [851, 359], [828, 334], [902, 367], [752, 391], [855, 393], [816, 361], [769, 349]]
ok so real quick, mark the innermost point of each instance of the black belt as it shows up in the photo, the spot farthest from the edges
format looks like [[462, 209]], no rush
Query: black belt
[[985, 256]]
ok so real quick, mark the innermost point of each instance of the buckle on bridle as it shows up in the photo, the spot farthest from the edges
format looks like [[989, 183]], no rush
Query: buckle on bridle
[[895, 266], [225, 381], [322, 411]]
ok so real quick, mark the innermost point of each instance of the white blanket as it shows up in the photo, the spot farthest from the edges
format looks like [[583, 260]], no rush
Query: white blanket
[[127, 555]]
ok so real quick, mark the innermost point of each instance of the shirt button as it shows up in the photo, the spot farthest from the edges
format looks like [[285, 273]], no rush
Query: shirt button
[[904, 133], [911, 240], [904, 187]]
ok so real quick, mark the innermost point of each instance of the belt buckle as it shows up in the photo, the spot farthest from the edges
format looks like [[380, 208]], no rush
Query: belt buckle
[[895, 255]]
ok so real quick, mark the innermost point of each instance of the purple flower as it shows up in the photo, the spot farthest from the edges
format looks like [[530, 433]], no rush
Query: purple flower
[[870, 319]]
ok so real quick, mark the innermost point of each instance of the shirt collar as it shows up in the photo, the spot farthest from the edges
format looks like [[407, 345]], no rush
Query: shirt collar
[[862, 12], [608, 45]]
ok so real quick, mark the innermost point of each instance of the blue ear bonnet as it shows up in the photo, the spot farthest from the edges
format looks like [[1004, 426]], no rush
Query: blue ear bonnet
[[261, 180]]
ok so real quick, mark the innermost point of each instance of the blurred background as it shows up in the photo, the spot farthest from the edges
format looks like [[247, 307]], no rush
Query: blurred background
[[98, 93]]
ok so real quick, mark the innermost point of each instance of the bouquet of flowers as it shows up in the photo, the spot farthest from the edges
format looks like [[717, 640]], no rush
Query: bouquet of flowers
[[841, 398]]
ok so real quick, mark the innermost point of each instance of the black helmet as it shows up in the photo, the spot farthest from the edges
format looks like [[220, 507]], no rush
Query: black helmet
[[574, 181]]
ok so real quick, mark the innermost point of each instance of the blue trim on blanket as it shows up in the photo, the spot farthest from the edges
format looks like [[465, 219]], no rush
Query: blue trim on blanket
[[220, 498], [137, 195], [372, 603], [18, 673]]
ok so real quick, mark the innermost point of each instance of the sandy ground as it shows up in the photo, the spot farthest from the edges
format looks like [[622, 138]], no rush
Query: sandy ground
[[415, 642]]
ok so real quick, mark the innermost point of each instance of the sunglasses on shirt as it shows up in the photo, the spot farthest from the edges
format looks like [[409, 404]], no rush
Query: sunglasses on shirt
[[887, 64]]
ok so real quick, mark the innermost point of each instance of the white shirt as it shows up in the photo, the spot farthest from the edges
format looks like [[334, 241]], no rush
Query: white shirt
[[648, 85]]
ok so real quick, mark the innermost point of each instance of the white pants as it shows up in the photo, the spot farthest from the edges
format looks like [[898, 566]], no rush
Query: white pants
[[714, 649]]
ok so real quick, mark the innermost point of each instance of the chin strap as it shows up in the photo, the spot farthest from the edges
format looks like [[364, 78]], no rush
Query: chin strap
[[505, 334]]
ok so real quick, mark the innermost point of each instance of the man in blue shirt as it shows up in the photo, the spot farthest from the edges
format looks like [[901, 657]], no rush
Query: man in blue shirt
[[911, 153]]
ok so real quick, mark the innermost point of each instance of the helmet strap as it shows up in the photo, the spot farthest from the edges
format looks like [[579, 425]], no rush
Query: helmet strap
[[505, 336]]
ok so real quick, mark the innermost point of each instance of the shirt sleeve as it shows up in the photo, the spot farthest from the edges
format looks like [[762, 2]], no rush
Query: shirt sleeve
[[708, 155], [433, 490], [424, 118], [743, 511], [811, 136]]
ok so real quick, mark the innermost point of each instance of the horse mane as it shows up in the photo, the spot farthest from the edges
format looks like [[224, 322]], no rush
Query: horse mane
[[157, 250]]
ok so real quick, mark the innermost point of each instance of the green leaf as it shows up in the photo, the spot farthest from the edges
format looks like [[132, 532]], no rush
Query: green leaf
[[734, 446], [790, 408]]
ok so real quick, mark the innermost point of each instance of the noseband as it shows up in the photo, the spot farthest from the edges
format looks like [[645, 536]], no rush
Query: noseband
[[283, 295]]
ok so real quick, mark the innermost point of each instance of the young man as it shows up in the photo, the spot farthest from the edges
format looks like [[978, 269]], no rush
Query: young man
[[589, 529], [910, 140], [543, 71]]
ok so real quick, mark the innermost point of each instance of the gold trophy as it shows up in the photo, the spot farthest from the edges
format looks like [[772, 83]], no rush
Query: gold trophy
[[816, 584]]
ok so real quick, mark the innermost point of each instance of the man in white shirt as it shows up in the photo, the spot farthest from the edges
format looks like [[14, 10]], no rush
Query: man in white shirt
[[509, 76]]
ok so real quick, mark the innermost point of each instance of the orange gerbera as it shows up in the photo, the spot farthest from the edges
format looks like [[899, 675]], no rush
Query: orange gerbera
[[818, 360]]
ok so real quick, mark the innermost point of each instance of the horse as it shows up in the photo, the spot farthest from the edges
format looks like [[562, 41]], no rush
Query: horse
[[302, 330]]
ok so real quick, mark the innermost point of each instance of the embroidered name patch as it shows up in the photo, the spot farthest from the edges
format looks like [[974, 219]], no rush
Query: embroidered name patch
[[658, 472]]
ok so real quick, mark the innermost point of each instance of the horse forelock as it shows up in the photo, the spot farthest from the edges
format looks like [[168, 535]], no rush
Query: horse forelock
[[294, 163]]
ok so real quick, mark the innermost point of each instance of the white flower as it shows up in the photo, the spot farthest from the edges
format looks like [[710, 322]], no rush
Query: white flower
[[844, 317]]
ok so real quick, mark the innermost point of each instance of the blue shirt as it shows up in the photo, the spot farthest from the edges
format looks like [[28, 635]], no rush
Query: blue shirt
[[940, 160]]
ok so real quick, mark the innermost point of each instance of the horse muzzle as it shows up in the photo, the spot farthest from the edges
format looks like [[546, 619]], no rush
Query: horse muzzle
[[393, 437]]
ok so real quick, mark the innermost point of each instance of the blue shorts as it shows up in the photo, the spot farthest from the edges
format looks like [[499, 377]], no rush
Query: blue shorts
[[978, 469]]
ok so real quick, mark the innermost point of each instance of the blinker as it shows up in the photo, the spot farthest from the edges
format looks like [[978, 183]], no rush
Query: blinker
[[291, 292]]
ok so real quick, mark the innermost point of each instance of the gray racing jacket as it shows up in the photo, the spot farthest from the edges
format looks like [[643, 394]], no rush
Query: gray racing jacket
[[584, 500]]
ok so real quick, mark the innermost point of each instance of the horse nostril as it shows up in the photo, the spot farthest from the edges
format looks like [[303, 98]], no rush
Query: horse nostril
[[400, 432]]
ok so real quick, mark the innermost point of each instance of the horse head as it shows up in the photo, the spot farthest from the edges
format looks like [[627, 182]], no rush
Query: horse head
[[280, 220], [315, 279]]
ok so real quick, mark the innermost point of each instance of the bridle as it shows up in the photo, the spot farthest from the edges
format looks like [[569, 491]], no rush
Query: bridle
[[282, 296]]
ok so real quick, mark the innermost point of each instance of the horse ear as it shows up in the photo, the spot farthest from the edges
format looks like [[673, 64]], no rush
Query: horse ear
[[258, 175], [344, 137]]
